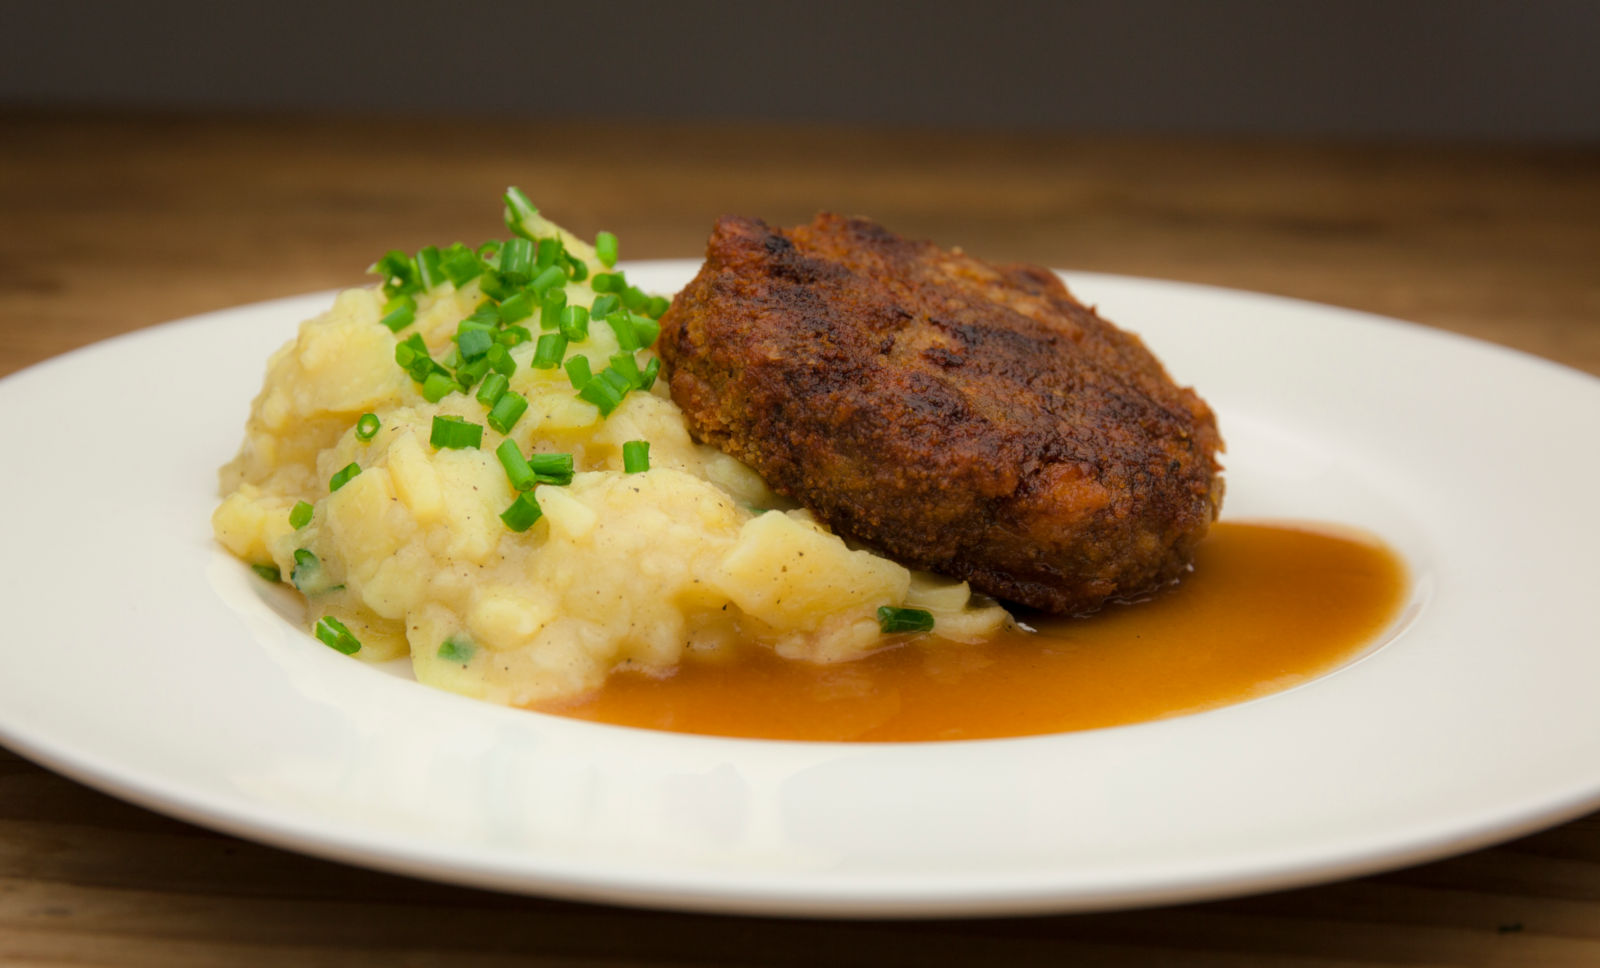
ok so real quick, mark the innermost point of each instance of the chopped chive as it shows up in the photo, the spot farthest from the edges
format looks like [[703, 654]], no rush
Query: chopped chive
[[343, 476], [512, 335], [634, 298], [647, 379], [520, 212], [300, 515], [551, 308], [506, 411], [517, 308], [577, 367], [618, 382], [268, 572], [409, 350], [500, 360], [625, 364], [622, 325], [307, 571], [495, 285], [437, 385], [578, 269], [575, 323], [517, 468], [891, 619], [605, 249], [552, 468], [604, 305], [367, 426], [473, 343], [452, 650], [655, 306], [490, 250], [460, 264], [646, 329], [550, 252], [423, 367], [522, 513], [547, 278], [516, 261], [428, 272], [456, 433], [547, 354], [468, 374], [601, 394], [608, 282], [399, 312], [635, 456], [486, 316], [399, 275], [493, 385], [452, 359], [335, 636]]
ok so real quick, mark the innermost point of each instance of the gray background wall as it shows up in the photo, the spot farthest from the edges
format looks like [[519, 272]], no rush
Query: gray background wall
[[1458, 69]]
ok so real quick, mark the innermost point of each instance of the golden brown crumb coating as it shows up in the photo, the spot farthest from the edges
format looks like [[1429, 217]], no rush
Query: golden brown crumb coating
[[964, 418]]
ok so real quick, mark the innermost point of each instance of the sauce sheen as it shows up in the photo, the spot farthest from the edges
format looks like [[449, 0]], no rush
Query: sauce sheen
[[1267, 607]]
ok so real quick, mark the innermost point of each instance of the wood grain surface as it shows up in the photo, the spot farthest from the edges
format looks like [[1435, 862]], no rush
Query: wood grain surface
[[111, 223]]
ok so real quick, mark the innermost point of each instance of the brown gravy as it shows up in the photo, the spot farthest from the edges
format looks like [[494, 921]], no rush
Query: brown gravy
[[1267, 607]]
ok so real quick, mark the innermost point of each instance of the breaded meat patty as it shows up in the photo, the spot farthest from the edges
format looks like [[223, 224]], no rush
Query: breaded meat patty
[[965, 418]]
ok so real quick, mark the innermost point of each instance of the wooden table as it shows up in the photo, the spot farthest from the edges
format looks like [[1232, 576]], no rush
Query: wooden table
[[114, 223]]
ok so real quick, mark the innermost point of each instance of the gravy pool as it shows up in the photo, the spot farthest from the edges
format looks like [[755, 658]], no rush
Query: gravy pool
[[1267, 607]]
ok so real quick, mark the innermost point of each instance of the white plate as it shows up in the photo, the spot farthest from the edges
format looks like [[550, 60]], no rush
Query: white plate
[[144, 661]]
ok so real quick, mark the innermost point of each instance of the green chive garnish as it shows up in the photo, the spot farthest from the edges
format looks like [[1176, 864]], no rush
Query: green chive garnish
[[468, 374], [655, 306], [605, 248], [506, 412], [473, 342], [409, 350], [603, 306], [519, 212], [367, 426], [622, 325], [455, 432], [335, 636], [493, 385], [601, 393], [547, 354], [645, 329], [625, 364], [552, 468], [343, 476], [455, 650], [518, 471], [891, 620], [517, 308], [500, 360], [399, 312], [516, 261], [438, 385], [428, 272], [575, 323], [636, 456], [551, 308], [300, 515], [647, 379], [307, 571], [522, 513], [268, 572], [547, 278], [577, 367]]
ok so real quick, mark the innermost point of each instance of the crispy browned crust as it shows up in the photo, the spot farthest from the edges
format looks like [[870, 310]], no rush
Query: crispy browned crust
[[965, 418]]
